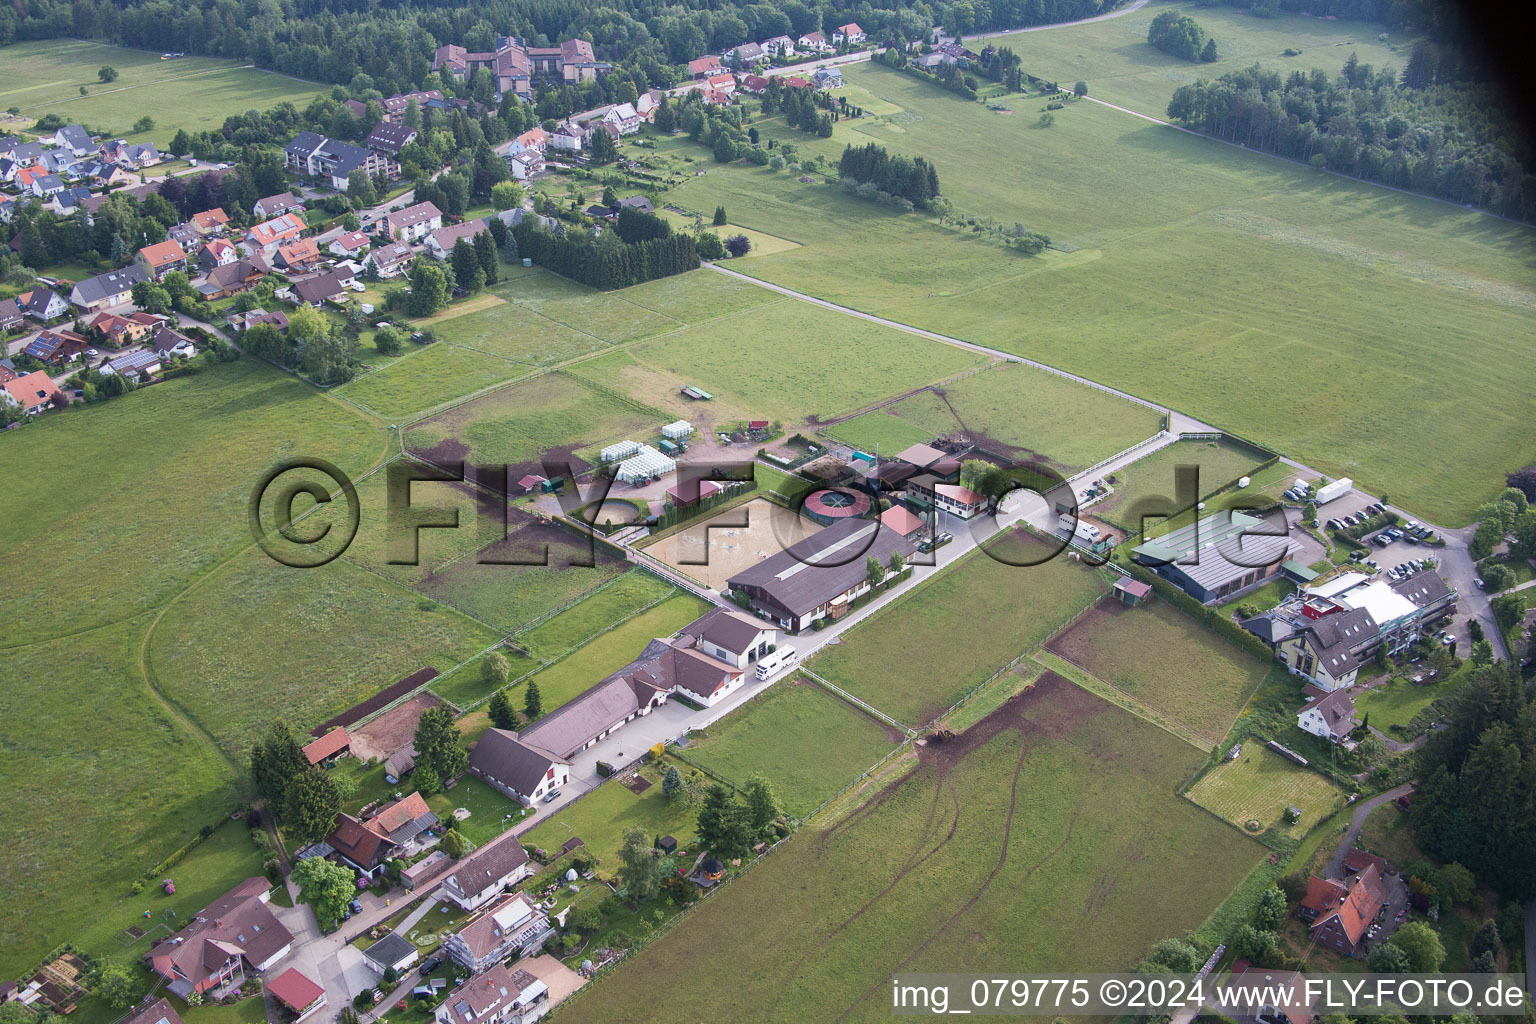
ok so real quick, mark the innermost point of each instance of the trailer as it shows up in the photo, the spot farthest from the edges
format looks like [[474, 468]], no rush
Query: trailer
[[1337, 489]]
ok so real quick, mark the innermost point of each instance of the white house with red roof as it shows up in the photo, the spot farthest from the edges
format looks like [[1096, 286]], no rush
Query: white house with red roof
[[849, 33]]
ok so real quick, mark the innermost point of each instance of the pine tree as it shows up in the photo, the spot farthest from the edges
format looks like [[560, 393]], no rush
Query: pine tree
[[311, 804], [439, 751], [533, 701], [485, 250], [500, 710]]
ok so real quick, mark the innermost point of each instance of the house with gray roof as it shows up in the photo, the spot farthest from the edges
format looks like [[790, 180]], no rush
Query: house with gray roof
[[519, 770], [1219, 555], [499, 996], [114, 288], [481, 876], [1330, 716], [74, 138]]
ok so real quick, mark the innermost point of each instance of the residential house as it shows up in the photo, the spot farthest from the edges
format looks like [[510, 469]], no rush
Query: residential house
[[135, 366], [162, 258], [297, 256], [796, 82], [325, 750], [1342, 913], [754, 84], [1267, 996], [534, 139], [828, 78], [349, 245], [624, 117], [367, 844], [779, 46], [412, 223], [481, 876], [298, 992], [32, 391], [322, 288], [501, 995], [104, 291], [716, 97], [814, 41], [849, 33], [388, 260], [815, 578], [515, 66], [440, 242], [526, 164], [57, 347], [168, 343], [69, 200], [8, 371], [388, 139], [735, 638], [75, 139], [235, 933], [396, 106], [138, 155], [11, 316], [704, 67], [42, 304], [157, 1012], [230, 279], [217, 252], [517, 769], [1329, 716], [649, 100], [721, 83], [315, 155], [508, 929], [184, 234], [747, 54], [46, 186], [213, 222], [1218, 556], [20, 153], [269, 234], [117, 330], [276, 206], [927, 491], [239, 322]]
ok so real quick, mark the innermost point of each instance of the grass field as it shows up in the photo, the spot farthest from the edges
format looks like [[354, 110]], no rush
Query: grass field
[[345, 634], [1161, 658], [1147, 486], [1394, 704], [1015, 410], [594, 615], [1047, 834], [427, 378], [45, 77], [601, 817], [1260, 785], [788, 361], [102, 784], [1214, 282], [807, 743], [915, 658]]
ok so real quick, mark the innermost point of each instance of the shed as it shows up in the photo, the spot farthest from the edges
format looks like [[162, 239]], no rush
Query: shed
[[666, 844], [392, 951], [670, 447], [328, 747], [712, 869], [677, 430], [1131, 592], [1296, 572], [530, 483], [297, 992]]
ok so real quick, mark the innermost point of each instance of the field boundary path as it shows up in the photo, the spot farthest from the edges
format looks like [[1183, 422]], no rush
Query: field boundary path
[[1356, 823]]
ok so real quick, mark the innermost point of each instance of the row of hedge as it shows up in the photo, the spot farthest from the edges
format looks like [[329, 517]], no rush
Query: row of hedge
[[1210, 617]]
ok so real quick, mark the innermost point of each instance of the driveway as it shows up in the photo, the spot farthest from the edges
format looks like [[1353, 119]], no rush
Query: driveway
[[1356, 823]]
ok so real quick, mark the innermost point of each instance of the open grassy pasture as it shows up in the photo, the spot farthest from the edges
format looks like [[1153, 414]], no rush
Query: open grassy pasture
[[1120, 66], [806, 742], [609, 651], [945, 637], [113, 508], [259, 638], [1021, 411], [1161, 658], [594, 615], [1221, 282], [102, 783], [602, 316], [511, 332], [1048, 834], [601, 817], [1260, 785], [1146, 486], [786, 361], [195, 93], [427, 378], [515, 425]]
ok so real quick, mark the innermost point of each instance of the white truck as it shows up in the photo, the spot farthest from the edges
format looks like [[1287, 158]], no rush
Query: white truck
[[1337, 489], [772, 662], [1074, 527]]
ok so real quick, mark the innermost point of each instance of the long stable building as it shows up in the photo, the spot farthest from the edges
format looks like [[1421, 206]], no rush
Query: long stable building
[[820, 576]]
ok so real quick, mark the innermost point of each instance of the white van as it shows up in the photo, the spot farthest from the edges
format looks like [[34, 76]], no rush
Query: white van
[[782, 658], [1089, 531]]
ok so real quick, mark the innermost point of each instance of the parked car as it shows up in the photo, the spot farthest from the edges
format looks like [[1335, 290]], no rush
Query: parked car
[[551, 796], [428, 966], [1478, 582], [357, 906]]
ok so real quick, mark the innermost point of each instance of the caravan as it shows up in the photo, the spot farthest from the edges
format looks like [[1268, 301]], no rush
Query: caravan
[[782, 658]]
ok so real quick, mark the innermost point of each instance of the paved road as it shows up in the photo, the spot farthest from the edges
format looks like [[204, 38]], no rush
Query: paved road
[[1138, 5], [1356, 823]]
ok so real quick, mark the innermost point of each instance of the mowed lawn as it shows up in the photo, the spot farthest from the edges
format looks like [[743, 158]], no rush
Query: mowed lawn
[[1260, 785], [101, 784], [788, 361], [605, 654], [1159, 657], [1147, 487], [258, 639], [1048, 835], [594, 615], [1218, 281], [1019, 411], [601, 817], [114, 508], [807, 743], [195, 93], [945, 637]]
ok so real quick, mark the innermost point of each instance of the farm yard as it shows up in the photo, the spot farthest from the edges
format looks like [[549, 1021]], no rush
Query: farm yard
[[1259, 786], [1057, 799], [1259, 241], [1014, 410], [1161, 658], [713, 549], [926, 651], [45, 77], [807, 743]]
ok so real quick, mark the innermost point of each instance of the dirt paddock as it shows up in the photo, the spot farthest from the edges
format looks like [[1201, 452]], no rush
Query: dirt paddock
[[715, 549], [391, 731]]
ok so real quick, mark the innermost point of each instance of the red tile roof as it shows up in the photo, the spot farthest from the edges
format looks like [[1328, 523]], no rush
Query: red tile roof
[[294, 989], [899, 519], [162, 253], [33, 391], [333, 742]]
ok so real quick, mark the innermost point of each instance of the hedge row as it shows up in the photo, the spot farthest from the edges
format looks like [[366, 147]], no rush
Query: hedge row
[[1209, 617]]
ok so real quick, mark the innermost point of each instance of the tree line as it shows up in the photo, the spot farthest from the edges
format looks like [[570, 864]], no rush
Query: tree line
[[1419, 130], [608, 261], [911, 178], [1179, 35]]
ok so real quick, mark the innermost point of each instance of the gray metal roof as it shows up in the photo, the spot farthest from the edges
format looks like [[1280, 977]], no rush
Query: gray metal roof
[[807, 575]]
